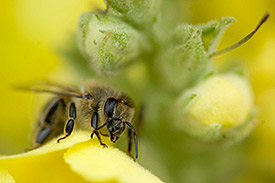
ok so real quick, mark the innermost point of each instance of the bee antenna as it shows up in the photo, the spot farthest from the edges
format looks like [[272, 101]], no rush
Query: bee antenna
[[242, 41], [135, 137]]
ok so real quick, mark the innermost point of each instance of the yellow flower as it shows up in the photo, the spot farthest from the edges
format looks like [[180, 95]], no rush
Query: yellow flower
[[73, 160]]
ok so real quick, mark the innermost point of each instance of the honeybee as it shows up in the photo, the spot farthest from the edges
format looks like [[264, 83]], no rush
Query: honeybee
[[97, 107]]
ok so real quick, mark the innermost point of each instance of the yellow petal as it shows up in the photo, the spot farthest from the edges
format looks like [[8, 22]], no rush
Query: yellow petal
[[106, 164], [88, 159], [45, 164], [76, 137], [5, 177]]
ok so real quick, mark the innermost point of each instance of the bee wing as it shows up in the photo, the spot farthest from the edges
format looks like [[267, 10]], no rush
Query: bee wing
[[52, 88], [48, 84]]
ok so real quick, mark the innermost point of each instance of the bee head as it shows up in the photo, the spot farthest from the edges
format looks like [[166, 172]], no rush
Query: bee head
[[116, 127], [118, 112]]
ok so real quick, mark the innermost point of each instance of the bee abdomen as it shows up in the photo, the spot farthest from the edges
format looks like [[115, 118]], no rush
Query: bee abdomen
[[42, 135], [49, 126]]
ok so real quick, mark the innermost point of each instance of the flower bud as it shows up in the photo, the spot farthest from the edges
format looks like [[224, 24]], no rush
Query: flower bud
[[186, 60], [217, 107], [138, 12], [107, 42]]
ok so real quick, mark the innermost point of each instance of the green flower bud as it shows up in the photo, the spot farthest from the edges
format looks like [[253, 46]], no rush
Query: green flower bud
[[137, 12], [185, 60], [216, 108], [109, 43]]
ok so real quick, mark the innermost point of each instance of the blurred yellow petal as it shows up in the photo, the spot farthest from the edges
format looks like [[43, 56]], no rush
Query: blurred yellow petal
[[106, 164], [5, 177]]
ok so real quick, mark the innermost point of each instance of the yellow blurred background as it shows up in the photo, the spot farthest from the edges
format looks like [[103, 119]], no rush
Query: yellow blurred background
[[33, 31]]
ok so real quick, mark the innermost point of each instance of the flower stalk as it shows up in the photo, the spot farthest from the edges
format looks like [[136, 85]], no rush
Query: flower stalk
[[210, 104]]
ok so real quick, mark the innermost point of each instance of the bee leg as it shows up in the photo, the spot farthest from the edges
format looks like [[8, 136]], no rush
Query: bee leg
[[135, 137], [130, 138], [94, 123], [139, 121], [69, 126]]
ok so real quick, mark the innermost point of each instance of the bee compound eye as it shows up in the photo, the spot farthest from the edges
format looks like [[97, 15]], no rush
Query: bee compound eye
[[109, 106]]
